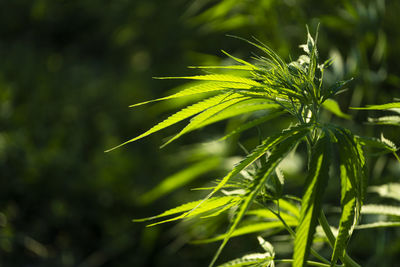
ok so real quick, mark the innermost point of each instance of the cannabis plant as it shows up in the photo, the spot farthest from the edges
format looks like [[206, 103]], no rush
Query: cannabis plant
[[270, 87]]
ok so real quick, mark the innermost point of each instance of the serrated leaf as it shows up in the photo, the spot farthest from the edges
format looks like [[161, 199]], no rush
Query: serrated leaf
[[334, 89], [376, 143], [209, 205], [254, 227], [243, 107], [333, 107], [386, 106], [179, 116], [352, 146], [204, 87], [349, 216], [353, 186], [347, 222], [278, 152], [311, 202], [217, 77], [198, 121], [232, 67]]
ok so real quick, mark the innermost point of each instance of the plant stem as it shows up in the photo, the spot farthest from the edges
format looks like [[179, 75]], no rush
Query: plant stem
[[331, 238], [311, 263]]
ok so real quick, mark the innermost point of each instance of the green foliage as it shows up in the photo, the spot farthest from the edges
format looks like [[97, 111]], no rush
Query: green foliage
[[295, 88], [333, 107], [353, 183], [278, 152], [382, 107], [68, 71], [194, 208], [385, 120]]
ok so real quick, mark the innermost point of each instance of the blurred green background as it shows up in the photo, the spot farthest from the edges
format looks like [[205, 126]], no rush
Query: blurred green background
[[70, 69]]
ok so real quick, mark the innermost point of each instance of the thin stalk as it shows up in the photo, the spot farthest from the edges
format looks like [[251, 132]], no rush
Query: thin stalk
[[331, 238], [310, 263]]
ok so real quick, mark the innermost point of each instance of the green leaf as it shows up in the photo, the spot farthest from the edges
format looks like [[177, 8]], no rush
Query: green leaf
[[347, 222], [254, 227], [311, 202], [348, 217], [334, 89], [351, 147], [217, 77], [380, 107], [333, 107], [179, 116], [385, 120], [278, 152], [199, 120], [232, 67], [353, 184], [204, 87], [179, 179], [187, 209], [373, 142], [240, 108]]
